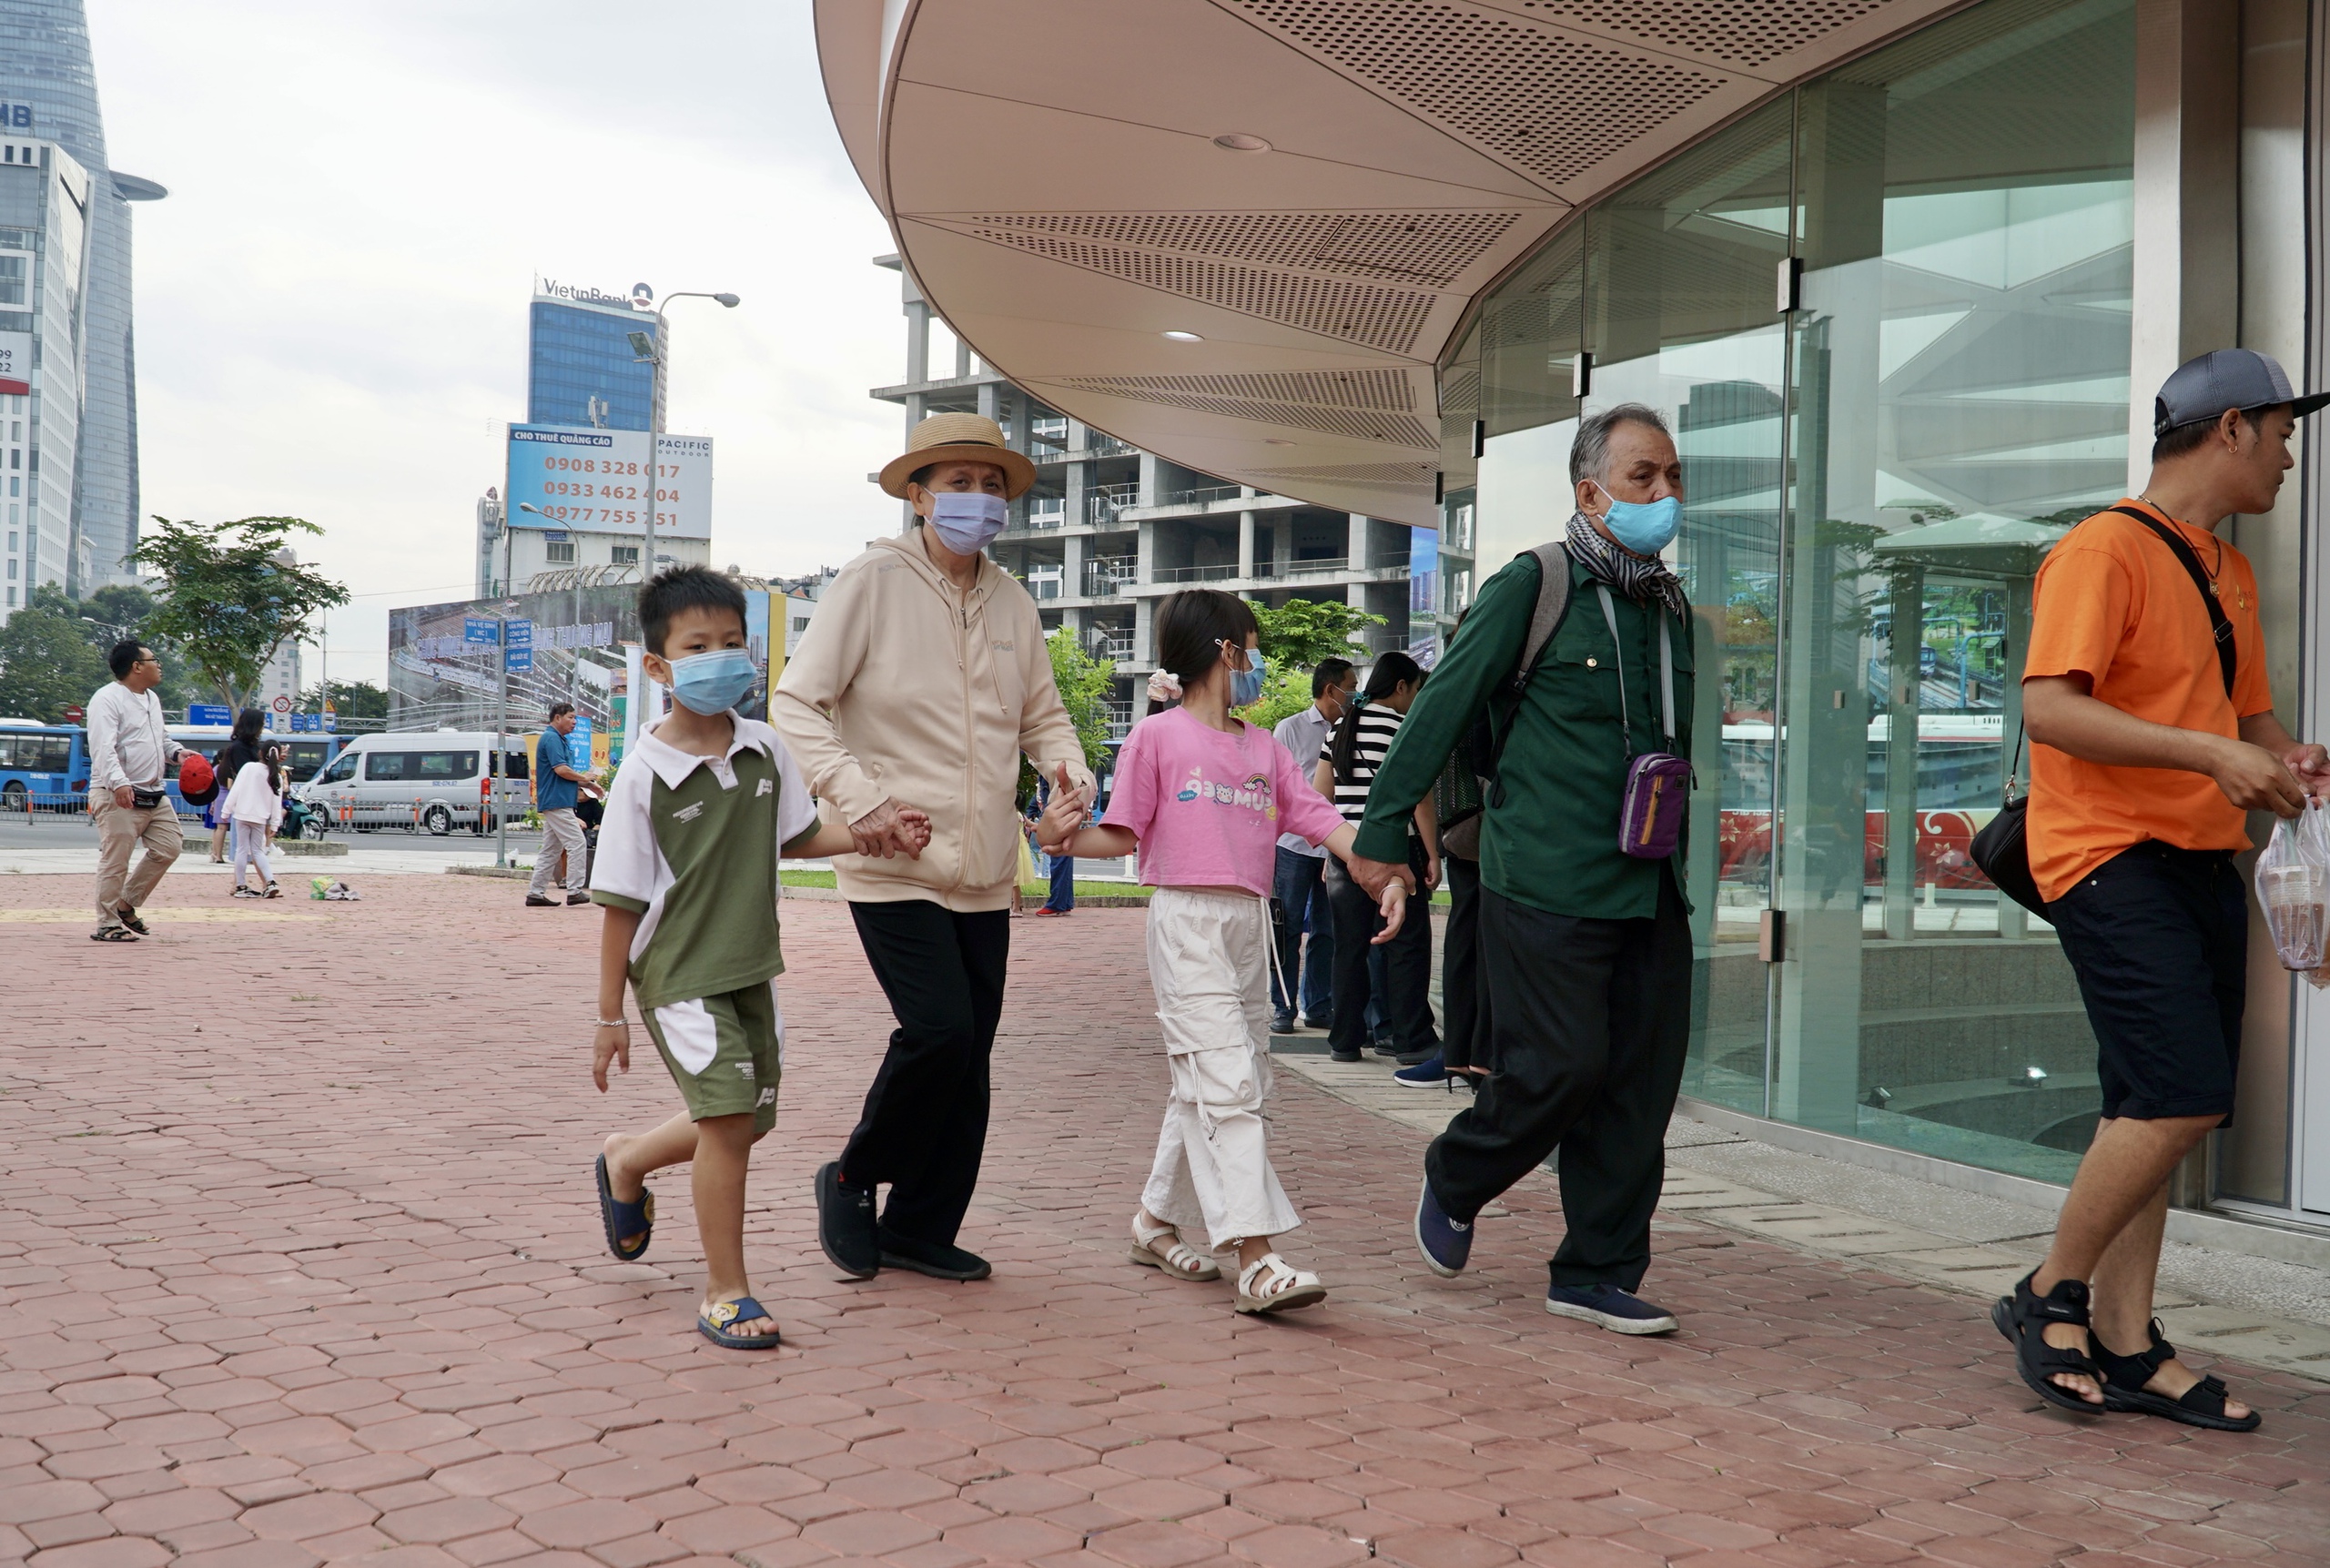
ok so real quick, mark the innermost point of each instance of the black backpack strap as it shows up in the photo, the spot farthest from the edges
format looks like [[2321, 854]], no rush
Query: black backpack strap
[[1553, 603], [2220, 627]]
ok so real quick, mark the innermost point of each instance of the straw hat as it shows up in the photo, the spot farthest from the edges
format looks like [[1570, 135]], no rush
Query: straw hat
[[958, 438]]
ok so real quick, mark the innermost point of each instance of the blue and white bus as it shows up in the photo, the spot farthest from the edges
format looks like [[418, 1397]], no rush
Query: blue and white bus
[[43, 767]]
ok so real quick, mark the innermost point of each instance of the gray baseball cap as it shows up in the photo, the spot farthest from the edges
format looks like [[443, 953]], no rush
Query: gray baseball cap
[[2223, 379]]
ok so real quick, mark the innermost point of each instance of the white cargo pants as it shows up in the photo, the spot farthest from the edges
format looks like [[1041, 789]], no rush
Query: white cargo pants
[[1209, 965]]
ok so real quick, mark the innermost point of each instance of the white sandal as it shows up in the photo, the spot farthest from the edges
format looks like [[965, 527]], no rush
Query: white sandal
[[1270, 1284], [1179, 1262]]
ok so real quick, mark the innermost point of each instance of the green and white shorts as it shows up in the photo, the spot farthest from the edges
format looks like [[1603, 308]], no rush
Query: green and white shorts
[[725, 1051]]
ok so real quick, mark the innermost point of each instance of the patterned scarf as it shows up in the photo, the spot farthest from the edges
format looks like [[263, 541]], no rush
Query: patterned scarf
[[1638, 579]]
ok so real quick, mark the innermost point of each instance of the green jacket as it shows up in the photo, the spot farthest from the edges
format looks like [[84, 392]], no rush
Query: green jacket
[[1552, 842]]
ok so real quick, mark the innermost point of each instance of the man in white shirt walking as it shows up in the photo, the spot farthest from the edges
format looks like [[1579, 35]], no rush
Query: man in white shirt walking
[[129, 752], [1300, 887]]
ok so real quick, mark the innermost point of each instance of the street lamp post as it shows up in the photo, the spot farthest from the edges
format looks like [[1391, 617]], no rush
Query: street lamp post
[[651, 351]]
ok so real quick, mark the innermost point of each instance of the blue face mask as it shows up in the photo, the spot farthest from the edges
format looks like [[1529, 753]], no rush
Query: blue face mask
[[967, 522], [712, 682], [1644, 527], [1246, 686]]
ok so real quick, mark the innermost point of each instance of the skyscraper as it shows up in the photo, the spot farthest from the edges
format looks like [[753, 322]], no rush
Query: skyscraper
[[581, 367], [49, 92]]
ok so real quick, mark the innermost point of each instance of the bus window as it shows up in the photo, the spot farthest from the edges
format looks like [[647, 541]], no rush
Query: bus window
[[305, 758]]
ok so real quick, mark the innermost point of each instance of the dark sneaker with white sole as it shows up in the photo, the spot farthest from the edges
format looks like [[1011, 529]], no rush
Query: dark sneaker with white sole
[[846, 1231], [1608, 1307], [1446, 1244], [939, 1260], [1427, 1074]]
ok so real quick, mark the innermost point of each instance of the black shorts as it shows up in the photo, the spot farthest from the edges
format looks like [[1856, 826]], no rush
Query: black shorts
[[2158, 937]]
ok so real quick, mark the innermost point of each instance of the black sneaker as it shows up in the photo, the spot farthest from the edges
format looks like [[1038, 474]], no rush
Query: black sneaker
[[936, 1259], [536, 901], [1281, 1023], [846, 1228], [1342, 1056], [1608, 1307], [1324, 1026]]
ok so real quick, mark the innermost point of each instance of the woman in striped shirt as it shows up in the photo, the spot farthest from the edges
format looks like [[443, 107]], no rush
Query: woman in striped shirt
[[1346, 769]]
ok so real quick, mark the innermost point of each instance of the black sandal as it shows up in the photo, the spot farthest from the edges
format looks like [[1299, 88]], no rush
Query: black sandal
[[129, 918], [2022, 1319], [2203, 1404]]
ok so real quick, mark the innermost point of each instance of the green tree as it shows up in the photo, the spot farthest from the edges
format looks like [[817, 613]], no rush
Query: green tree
[[47, 665], [1286, 689], [1301, 632], [1084, 685], [234, 596], [350, 699]]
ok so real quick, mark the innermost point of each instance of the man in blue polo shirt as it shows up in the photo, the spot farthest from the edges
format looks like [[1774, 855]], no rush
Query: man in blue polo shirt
[[558, 784]]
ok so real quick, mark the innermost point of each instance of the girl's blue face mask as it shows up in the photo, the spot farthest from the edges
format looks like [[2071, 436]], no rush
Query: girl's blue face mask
[[714, 682], [1644, 527], [1246, 686]]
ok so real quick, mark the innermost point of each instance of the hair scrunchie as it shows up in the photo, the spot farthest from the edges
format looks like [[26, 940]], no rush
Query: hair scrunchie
[[1360, 699], [1164, 686]]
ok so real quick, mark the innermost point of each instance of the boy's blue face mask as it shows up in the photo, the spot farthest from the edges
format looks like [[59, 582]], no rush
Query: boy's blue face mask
[[713, 683], [1644, 527]]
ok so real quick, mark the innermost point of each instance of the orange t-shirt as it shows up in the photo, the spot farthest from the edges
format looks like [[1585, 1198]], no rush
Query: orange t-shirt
[[2112, 602]]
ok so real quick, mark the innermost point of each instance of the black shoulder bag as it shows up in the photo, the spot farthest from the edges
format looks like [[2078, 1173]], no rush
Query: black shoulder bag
[[2001, 849]]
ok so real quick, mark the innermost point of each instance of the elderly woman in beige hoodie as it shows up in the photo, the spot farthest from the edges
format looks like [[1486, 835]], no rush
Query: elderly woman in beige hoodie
[[923, 680]]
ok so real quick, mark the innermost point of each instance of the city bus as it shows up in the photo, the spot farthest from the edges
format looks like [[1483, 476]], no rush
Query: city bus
[[43, 767]]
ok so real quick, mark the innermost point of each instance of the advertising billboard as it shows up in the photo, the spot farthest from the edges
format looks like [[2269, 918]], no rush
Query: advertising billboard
[[16, 363], [596, 481]]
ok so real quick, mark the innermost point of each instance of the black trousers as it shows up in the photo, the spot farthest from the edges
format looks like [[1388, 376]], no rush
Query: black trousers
[[1586, 1021], [1407, 964], [1459, 968], [924, 1127]]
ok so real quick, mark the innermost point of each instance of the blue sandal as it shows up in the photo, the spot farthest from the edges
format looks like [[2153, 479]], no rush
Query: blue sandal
[[622, 1219], [713, 1325]]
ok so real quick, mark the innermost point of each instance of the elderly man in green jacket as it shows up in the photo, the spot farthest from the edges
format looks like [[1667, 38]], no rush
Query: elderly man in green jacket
[[1586, 950]]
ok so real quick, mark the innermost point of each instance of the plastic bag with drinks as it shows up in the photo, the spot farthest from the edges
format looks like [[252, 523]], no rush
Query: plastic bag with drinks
[[2294, 887]]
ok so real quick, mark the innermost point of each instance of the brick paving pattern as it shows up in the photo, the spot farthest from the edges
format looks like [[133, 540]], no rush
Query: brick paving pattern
[[302, 1265]]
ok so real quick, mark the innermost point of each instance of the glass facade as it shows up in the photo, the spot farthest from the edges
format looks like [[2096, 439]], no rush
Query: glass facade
[[578, 353], [46, 68], [1888, 319]]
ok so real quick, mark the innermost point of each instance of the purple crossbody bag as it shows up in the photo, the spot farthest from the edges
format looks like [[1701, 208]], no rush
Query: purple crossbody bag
[[1658, 783]]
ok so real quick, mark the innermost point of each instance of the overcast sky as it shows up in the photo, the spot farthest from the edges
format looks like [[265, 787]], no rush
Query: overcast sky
[[331, 304]]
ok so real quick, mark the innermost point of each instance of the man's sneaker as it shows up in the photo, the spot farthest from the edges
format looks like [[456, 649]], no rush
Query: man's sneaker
[[1427, 1074], [846, 1228], [578, 899], [1324, 1026], [536, 901], [938, 1260], [1384, 1044], [1608, 1307], [1342, 1056], [1281, 1023], [1446, 1244]]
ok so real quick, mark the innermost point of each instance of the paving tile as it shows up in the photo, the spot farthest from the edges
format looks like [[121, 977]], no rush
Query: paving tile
[[374, 1327]]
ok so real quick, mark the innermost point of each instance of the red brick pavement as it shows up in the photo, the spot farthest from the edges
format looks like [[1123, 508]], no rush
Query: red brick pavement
[[302, 1265]]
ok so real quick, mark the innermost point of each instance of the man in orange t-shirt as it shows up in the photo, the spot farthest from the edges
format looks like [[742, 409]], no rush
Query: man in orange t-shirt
[[2147, 748]]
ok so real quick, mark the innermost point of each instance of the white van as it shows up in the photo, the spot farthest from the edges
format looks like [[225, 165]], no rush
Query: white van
[[416, 779]]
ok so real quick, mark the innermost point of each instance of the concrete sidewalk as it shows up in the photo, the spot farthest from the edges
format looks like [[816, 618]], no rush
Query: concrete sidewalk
[[303, 1266]]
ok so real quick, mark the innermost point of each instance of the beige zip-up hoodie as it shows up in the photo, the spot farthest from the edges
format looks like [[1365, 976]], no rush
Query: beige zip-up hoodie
[[906, 688]]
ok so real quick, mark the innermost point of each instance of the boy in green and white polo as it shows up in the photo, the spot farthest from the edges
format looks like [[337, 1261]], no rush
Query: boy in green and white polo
[[701, 809]]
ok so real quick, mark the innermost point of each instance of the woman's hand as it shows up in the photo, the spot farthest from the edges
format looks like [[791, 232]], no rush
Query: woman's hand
[[611, 1043]]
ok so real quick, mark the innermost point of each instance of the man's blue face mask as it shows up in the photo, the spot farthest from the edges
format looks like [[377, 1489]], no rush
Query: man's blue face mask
[[1644, 527]]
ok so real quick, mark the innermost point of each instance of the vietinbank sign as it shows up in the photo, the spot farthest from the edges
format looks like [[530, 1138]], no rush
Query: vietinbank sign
[[640, 297]]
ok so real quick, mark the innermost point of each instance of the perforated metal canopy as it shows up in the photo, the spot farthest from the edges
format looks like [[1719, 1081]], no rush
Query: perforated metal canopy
[[1309, 193]]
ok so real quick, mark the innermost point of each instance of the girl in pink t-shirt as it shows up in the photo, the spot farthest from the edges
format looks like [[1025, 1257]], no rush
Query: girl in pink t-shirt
[[1205, 795]]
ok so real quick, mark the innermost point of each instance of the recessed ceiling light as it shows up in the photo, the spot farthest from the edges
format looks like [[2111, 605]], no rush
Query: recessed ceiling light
[[1185, 337], [1239, 142]]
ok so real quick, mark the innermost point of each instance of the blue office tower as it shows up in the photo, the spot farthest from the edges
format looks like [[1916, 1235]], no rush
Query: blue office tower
[[48, 90], [582, 369]]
